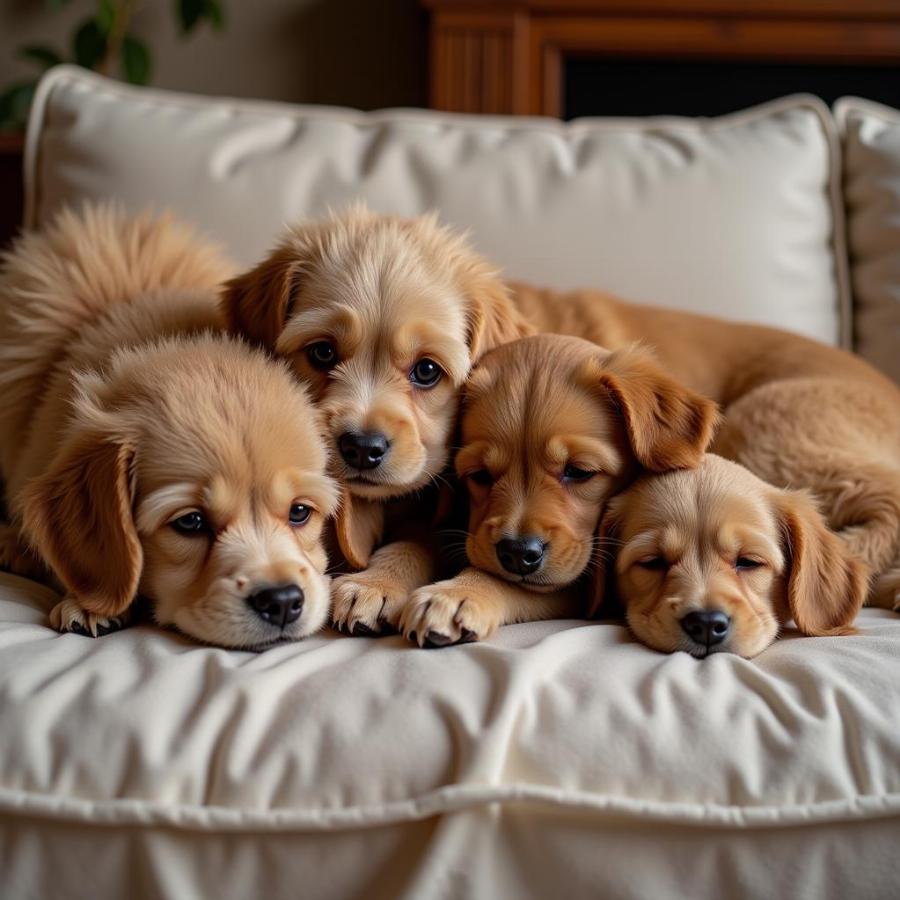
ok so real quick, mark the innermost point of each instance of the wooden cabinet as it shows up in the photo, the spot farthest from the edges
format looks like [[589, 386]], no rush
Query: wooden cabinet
[[510, 56]]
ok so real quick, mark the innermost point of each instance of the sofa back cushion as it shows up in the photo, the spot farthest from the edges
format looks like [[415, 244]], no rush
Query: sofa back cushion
[[871, 135], [733, 216]]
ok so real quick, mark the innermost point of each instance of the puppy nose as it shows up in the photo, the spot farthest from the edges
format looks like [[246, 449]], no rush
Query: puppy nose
[[278, 605], [521, 556], [707, 627], [363, 449]]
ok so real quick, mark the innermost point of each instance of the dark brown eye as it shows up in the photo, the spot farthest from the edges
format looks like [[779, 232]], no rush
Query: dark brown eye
[[653, 564], [191, 524], [299, 514], [482, 477], [573, 473], [425, 373], [746, 563], [322, 355]]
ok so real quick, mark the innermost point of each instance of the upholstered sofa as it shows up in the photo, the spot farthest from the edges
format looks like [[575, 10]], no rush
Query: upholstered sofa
[[557, 759]]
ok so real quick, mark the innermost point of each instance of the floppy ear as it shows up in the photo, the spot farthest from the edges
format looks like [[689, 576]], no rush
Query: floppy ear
[[826, 585], [78, 516], [668, 425], [359, 525], [604, 559], [493, 317], [258, 303]]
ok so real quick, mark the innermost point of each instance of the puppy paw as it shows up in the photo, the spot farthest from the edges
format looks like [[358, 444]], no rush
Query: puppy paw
[[448, 613], [367, 604], [68, 616]]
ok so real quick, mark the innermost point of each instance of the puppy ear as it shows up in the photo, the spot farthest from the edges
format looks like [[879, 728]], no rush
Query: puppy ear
[[668, 425], [359, 525], [493, 317], [826, 585], [604, 559], [78, 516], [258, 303]]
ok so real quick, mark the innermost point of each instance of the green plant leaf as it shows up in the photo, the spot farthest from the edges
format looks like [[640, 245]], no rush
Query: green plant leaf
[[136, 63], [44, 56], [89, 44], [15, 102], [106, 15], [215, 13]]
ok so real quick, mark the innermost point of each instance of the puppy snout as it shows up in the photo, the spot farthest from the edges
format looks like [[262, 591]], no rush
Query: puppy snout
[[278, 605], [521, 556], [363, 449], [706, 627]]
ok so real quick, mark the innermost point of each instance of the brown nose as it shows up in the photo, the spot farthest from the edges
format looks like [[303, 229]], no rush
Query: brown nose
[[363, 449], [278, 606]]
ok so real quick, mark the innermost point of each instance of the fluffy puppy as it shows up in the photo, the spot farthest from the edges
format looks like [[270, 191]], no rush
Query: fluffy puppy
[[552, 427], [715, 560], [143, 455], [382, 318]]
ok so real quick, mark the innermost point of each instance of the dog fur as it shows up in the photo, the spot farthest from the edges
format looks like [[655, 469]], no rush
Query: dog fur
[[552, 427], [717, 538], [384, 293], [124, 413]]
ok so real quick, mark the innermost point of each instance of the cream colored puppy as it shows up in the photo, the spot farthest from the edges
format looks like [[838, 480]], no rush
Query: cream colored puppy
[[144, 455], [714, 559]]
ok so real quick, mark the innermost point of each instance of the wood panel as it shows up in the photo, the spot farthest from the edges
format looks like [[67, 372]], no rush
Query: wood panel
[[507, 56]]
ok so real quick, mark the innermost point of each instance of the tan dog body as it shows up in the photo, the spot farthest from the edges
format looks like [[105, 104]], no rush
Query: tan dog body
[[715, 559], [127, 422], [796, 413]]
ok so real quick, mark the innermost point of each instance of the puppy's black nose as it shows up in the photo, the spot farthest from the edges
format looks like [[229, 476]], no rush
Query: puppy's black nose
[[521, 556], [706, 627], [278, 605], [363, 449]]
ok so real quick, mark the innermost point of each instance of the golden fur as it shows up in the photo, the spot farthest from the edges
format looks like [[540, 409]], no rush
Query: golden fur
[[718, 539], [796, 413], [124, 413], [384, 294], [552, 427]]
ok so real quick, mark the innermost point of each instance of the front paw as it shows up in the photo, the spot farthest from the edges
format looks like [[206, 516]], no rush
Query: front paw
[[68, 616], [448, 613], [366, 604]]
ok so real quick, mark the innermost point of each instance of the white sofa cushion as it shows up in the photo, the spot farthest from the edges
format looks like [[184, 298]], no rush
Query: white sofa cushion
[[871, 136], [559, 758], [733, 216]]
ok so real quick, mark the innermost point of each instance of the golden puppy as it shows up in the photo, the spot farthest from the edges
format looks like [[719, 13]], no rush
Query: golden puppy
[[144, 455], [795, 412], [382, 318], [552, 427], [714, 559]]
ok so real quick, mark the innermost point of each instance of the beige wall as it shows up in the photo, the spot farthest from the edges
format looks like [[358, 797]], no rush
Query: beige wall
[[364, 53]]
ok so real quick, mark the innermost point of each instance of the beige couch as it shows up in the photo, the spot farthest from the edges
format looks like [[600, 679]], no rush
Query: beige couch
[[558, 758]]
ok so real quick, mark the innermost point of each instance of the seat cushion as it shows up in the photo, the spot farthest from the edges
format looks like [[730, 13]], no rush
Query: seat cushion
[[556, 754], [871, 136], [737, 216]]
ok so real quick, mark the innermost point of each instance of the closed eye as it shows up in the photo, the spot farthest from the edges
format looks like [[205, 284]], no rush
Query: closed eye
[[747, 563], [653, 563], [482, 477], [576, 473]]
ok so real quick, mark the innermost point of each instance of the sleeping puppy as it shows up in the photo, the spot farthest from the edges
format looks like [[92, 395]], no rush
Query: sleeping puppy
[[552, 427], [143, 454], [382, 318], [715, 560]]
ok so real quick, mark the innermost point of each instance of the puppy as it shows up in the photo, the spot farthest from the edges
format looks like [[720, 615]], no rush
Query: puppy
[[552, 427], [795, 412], [715, 560], [143, 454], [382, 319]]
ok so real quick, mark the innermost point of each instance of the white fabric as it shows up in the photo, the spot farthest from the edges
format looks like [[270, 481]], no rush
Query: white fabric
[[559, 758], [871, 134], [732, 216]]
